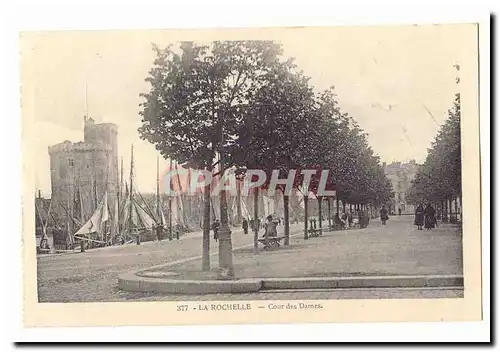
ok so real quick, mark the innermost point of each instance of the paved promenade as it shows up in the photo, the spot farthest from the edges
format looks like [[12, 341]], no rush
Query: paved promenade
[[397, 249]]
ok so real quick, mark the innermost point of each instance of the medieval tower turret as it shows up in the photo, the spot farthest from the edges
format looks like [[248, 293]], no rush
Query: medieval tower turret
[[91, 166]]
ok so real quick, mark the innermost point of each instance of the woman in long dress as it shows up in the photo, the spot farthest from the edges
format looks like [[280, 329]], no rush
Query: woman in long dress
[[419, 216], [430, 217]]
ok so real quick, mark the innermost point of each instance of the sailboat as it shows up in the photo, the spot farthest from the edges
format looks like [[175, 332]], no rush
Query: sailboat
[[135, 219], [94, 230]]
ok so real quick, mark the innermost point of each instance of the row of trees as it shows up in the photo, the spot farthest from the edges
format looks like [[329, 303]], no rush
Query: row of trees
[[240, 104], [439, 178]]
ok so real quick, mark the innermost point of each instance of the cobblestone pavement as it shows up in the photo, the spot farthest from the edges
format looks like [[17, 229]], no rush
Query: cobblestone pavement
[[93, 275], [389, 293]]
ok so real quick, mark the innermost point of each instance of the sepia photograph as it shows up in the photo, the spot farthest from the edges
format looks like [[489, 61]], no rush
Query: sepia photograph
[[264, 171]]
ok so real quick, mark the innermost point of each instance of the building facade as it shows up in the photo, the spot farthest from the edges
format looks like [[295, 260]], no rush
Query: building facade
[[401, 175], [90, 166]]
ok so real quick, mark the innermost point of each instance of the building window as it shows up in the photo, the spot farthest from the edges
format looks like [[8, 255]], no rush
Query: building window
[[71, 162]]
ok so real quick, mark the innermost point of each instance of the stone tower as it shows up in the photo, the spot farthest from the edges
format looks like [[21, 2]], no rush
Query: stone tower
[[93, 164]]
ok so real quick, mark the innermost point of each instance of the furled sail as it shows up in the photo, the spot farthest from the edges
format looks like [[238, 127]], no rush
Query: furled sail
[[138, 218], [269, 206], [244, 210], [115, 228]]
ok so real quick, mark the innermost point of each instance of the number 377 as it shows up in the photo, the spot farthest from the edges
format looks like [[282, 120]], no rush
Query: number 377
[[182, 308]]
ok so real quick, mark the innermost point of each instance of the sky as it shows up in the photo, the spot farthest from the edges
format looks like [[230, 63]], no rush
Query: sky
[[390, 79]]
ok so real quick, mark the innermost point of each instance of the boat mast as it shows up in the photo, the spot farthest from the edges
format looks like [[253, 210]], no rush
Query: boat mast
[[86, 103], [118, 197], [131, 188]]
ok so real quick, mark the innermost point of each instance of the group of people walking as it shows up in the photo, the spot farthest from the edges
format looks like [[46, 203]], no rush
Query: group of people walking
[[424, 217]]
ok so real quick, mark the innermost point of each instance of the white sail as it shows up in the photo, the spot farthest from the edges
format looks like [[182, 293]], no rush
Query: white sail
[[269, 206], [162, 214], [279, 205], [234, 210], [139, 218], [300, 198], [180, 211], [244, 210], [100, 216], [144, 218]]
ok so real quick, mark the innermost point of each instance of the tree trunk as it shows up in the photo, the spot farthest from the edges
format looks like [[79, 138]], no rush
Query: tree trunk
[[337, 213], [255, 221], [320, 215], [238, 203], [329, 199], [451, 210], [456, 209], [444, 212], [306, 199], [206, 230], [461, 208], [287, 219]]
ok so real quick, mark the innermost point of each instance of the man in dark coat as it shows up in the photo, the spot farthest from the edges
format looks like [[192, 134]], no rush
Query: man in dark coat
[[384, 214], [430, 217], [419, 216], [215, 228], [245, 226]]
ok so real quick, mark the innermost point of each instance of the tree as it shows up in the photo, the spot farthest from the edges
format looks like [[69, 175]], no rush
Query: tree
[[199, 99], [278, 126], [439, 178]]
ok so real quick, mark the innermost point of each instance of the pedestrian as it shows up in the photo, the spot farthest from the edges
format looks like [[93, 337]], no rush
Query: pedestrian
[[429, 217], [362, 220], [314, 223], [245, 226], [399, 211], [419, 216], [343, 220], [215, 228], [384, 215], [270, 227], [350, 218]]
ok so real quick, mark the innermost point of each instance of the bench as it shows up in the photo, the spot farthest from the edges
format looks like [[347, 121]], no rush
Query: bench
[[314, 232], [271, 242]]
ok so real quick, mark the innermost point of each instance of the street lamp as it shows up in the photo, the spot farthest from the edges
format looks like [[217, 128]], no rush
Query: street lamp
[[225, 244]]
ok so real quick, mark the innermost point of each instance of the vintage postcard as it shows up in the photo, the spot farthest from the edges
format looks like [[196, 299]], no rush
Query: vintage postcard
[[278, 175]]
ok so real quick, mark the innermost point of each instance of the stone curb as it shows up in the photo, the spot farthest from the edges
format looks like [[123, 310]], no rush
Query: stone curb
[[135, 283], [417, 281]]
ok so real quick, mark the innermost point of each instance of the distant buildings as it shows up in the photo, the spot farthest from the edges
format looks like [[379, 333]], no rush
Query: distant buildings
[[401, 175]]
